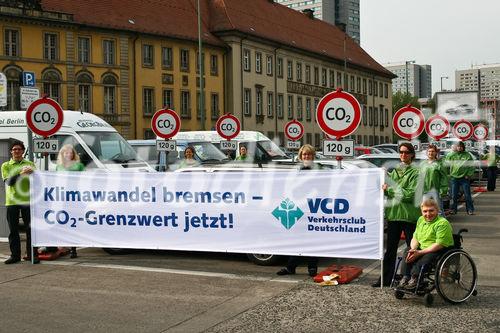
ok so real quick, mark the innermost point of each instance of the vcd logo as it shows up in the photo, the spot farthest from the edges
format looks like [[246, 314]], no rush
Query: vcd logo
[[287, 213], [328, 205]]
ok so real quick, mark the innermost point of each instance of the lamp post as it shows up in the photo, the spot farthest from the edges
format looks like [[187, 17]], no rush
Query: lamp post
[[443, 77], [200, 61], [406, 75]]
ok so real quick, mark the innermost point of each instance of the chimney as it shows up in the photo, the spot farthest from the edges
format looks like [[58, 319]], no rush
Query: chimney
[[309, 12], [341, 26]]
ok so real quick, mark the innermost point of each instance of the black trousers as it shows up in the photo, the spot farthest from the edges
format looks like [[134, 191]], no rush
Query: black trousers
[[294, 261], [394, 229], [13, 221], [491, 173], [426, 260]]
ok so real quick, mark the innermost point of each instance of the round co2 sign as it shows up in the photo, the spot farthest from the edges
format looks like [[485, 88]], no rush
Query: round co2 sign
[[338, 114], [165, 123], [480, 132], [228, 126], [44, 117], [463, 130], [437, 127], [408, 122], [294, 130]]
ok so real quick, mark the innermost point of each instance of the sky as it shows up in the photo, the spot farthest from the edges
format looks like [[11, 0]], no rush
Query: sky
[[449, 35]]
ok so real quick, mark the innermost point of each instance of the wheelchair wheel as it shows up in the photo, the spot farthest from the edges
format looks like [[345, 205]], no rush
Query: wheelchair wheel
[[456, 276]]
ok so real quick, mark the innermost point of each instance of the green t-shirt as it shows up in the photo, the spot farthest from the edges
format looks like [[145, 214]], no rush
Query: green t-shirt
[[78, 166], [18, 193], [437, 231]]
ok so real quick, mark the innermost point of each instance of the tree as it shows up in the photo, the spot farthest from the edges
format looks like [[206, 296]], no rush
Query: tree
[[400, 99]]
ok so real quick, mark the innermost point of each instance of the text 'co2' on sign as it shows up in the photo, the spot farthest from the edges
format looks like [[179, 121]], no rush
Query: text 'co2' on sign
[[408, 122], [338, 114], [165, 123], [44, 117], [437, 127], [463, 130], [228, 126]]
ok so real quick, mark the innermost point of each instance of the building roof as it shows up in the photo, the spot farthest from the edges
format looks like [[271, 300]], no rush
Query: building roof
[[263, 19], [174, 18], [272, 21]]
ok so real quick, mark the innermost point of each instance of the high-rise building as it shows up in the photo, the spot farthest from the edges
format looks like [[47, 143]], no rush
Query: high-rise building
[[413, 78], [342, 13], [489, 87]]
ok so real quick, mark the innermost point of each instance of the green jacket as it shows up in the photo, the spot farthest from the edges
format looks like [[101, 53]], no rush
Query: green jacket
[[434, 177], [460, 164], [17, 187], [78, 166], [492, 159], [401, 204]]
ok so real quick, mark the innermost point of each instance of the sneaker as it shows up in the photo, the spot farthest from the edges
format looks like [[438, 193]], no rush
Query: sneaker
[[285, 271], [403, 282], [470, 212], [412, 284], [12, 260]]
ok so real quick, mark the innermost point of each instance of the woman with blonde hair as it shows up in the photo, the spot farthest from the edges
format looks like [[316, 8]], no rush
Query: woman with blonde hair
[[68, 160]]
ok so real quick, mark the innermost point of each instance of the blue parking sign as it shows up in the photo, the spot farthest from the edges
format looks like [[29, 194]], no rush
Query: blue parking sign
[[28, 79]]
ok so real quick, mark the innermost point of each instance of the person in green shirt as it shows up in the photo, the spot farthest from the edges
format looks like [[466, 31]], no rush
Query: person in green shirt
[[431, 239], [15, 174], [461, 169], [69, 160], [434, 178], [492, 160], [401, 209], [243, 153]]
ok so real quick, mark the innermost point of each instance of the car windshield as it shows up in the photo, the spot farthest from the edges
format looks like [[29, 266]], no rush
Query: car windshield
[[272, 149], [208, 152], [109, 147]]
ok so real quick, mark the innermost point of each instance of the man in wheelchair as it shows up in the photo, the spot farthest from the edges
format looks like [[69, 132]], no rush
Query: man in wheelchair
[[432, 238]]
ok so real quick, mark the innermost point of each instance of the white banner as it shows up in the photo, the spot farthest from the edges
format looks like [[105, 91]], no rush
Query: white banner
[[313, 213]]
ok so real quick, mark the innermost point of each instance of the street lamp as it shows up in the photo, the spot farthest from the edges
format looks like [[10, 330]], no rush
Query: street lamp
[[443, 77], [200, 61], [406, 76]]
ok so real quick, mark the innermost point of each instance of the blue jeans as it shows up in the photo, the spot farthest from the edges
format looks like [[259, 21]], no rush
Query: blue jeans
[[456, 183]]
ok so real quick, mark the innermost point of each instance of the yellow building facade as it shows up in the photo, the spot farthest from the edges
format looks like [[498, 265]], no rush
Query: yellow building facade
[[120, 75]]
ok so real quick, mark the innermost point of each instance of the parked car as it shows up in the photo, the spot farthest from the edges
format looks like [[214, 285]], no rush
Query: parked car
[[358, 151], [461, 109], [387, 147]]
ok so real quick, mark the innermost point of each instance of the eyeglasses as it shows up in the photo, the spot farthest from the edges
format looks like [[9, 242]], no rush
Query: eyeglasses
[[405, 152]]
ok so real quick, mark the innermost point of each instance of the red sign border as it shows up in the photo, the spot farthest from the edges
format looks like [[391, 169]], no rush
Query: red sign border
[[415, 110], [474, 129], [357, 113], [159, 113], [55, 105], [290, 123], [219, 130], [462, 121], [428, 124]]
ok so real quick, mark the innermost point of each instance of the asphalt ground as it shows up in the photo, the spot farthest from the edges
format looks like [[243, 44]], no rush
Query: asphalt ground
[[167, 291]]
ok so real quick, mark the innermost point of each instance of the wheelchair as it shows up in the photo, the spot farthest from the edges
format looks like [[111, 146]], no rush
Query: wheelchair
[[454, 276]]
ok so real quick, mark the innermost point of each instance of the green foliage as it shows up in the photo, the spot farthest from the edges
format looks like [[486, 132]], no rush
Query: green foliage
[[401, 99]]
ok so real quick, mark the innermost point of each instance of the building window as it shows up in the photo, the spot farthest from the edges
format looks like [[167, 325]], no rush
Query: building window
[[214, 105], [279, 106], [108, 51], [381, 89], [299, 108], [370, 116], [364, 115], [185, 104], [109, 83], [375, 116], [386, 116], [323, 77], [308, 109], [184, 60], [309, 138], [84, 50], [214, 65], [290, 106], [168, 98], [375, 89], [147, 55], [149, 134], [364, 86], [358, 85], [246, 60], [279, 67], [166, 57], [11, 43], [370, 87], [50, 46], [247, 102], [386, 90], [258, 102], [198, 62], [346, 82], [148, 101], [270, 104], [308, 74], [352, 85], [258, 62], [332, 79], [299, 72], [198, 110], [84, 82], [269, 65], [316, 76], [339, 79], [52, 85], [13, 75], [289, 67], [316, 102]]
